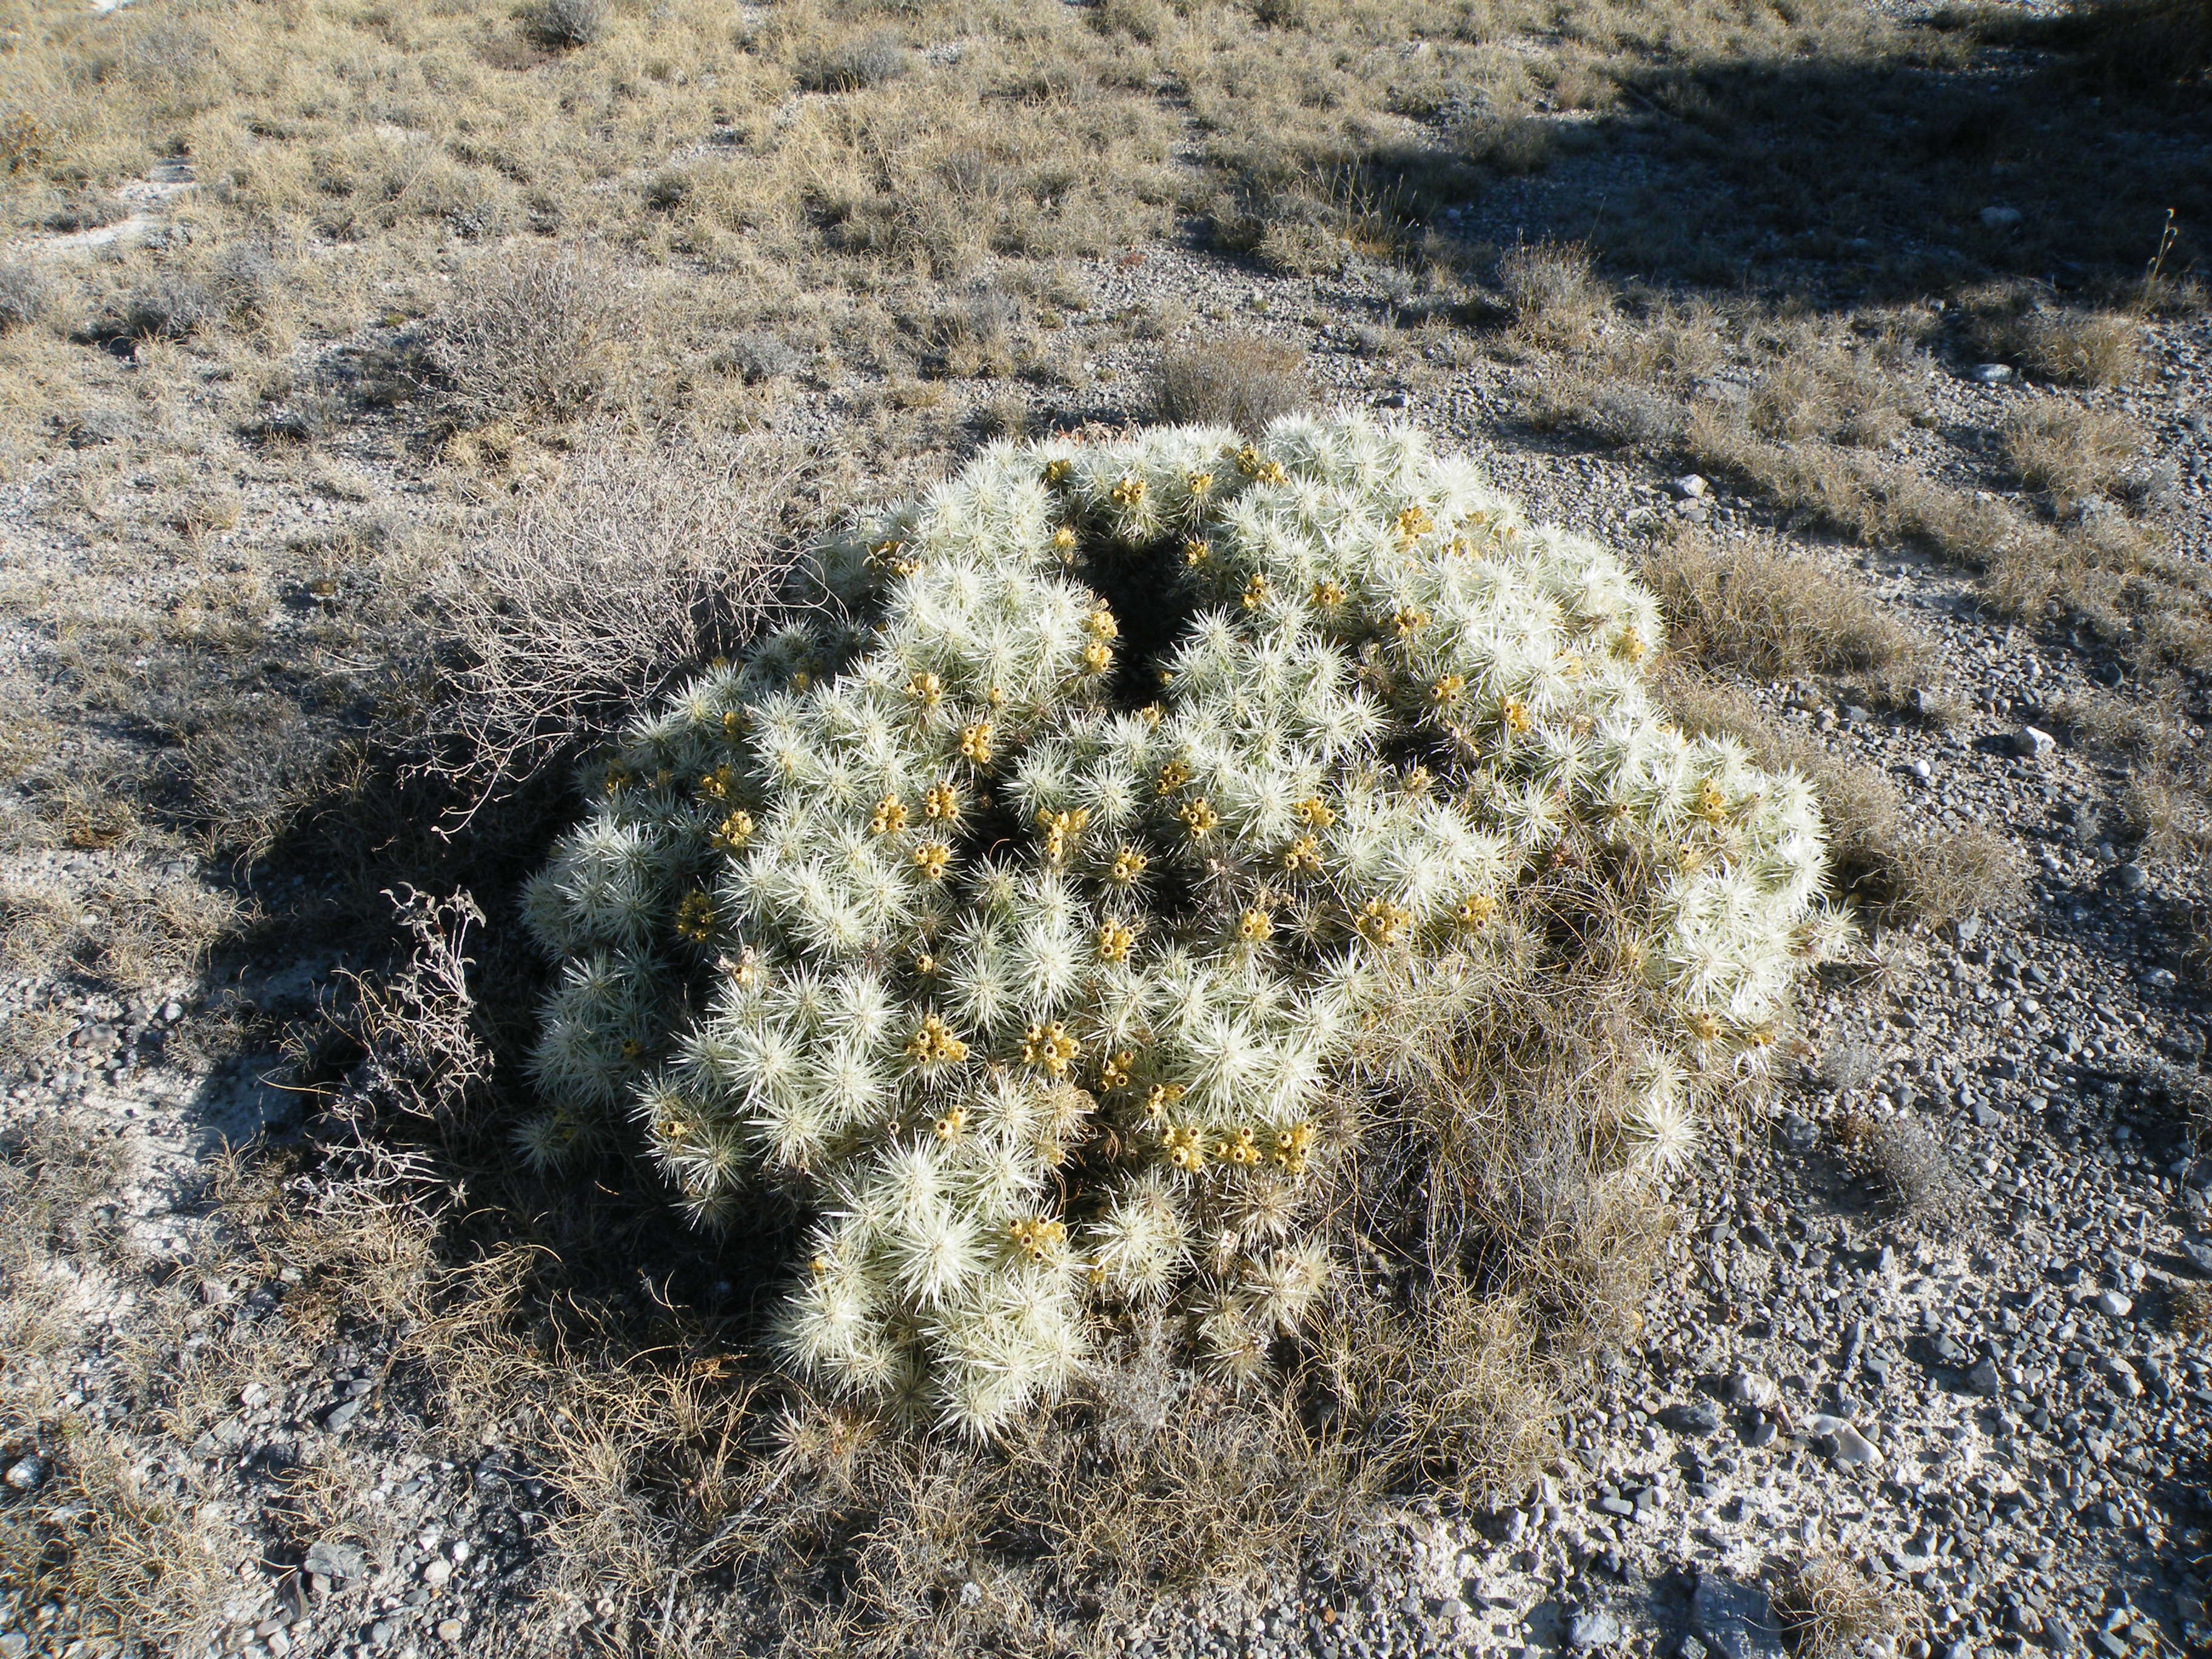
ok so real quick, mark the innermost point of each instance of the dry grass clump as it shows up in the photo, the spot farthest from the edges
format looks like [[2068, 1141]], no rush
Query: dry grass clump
[[170, 307], [1833, 1608], [527, 339], [1899, 870], [1242, 381], [640, 561], [25, 295], [1554, 295], [2167, 807], [1751, 605], [1511, 145], [132, 928], [2074, 451], [854, 66], [2015, 323], [2143, 44], [128, 1560]]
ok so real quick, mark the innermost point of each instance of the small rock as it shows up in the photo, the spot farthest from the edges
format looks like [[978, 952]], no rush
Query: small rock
[[1990, 373], [1592, 1629], [341, 1414], [1694, 1417], [26, 1473], [2112, 1304], [1750, 1389], [437, 1572], [449, 1629], [2000, 218], [1848, 1447], [1922, 770], [2159, 979], [1984, 1379], [2129, 878], [2031, 743], [1735, 1619], [1689, 487], [335, 1561]]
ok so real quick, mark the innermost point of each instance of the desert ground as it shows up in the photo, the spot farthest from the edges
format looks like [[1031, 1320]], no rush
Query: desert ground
[[397, 397]]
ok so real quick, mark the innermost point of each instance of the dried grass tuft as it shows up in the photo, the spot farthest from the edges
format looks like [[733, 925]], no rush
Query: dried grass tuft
[[2074, 451], [1910, 1160], [1834, 1607], [1554, 294], [1750, 604], [1240, 381], [2191, 1306]]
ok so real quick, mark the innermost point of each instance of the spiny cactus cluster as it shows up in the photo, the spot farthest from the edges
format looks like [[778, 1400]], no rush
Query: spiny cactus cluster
[[1025, 926]]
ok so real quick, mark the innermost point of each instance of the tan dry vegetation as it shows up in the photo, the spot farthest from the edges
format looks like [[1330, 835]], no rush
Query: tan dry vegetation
[[2016, 323], [2193, 1311], [131, 1556], [1899, 871], [2072, 451], [1835, 1607], [1751, 605], [1242, 381], [1812, 437]]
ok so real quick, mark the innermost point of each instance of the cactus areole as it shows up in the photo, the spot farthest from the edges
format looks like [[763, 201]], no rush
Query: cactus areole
[[1023, 914]]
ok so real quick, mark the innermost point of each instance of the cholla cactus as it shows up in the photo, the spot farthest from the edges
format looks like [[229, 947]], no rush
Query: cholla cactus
[[1029, 929]]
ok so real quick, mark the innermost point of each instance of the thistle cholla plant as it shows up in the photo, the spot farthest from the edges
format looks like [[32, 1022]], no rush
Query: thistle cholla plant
[[1029, 926]]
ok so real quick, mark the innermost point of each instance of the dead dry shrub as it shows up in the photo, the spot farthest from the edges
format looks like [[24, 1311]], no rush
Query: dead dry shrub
[[1751, 603], [1833, 1608], [534, 338], [1908, 1157], [566, 25], [1554, 294], [2191, 1310], [1242, 381], [2062, 447], [642, 562], [1899, 870]]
